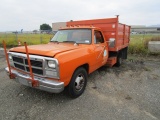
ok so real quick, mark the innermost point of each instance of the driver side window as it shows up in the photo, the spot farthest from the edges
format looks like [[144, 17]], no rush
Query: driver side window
[[98, 38]]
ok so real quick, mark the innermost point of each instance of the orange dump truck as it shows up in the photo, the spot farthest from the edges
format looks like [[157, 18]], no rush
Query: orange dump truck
[[72, 54]]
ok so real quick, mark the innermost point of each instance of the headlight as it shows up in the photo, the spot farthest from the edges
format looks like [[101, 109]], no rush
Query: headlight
[[51, 64], [10, 57], [10, 60]]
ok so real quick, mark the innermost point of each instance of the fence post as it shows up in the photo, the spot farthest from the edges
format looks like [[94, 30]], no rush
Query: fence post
[[41, 39]]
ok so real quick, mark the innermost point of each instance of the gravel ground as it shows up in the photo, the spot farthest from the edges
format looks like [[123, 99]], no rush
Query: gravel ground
[[131, 92]]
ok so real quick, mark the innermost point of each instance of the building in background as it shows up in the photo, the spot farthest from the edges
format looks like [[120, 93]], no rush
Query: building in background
[[57, 25], [142, 29]]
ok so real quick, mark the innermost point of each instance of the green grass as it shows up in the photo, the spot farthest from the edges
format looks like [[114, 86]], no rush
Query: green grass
[[31, 39], [139, 43]]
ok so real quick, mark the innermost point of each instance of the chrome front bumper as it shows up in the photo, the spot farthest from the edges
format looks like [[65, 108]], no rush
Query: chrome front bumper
[[43, 83]]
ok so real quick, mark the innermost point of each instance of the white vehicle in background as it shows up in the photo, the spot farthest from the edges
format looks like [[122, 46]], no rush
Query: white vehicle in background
[[134, 33]]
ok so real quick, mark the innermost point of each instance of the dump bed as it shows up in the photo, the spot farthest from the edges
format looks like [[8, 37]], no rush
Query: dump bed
[[113, 31]]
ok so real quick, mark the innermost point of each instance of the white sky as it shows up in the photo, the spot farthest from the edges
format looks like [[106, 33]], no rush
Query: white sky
[[30, 14]]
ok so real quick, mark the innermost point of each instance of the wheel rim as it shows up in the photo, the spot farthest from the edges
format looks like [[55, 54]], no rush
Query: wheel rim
[[79, 82]]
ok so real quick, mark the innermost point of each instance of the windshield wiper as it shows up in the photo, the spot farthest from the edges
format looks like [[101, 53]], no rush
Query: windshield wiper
[[54, 41], [70, 41]]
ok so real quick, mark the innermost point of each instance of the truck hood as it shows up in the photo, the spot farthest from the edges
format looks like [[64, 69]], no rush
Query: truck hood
[[50, 49]]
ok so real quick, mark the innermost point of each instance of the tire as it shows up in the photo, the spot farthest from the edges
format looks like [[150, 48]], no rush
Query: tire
[[78, 83], [119, 60]]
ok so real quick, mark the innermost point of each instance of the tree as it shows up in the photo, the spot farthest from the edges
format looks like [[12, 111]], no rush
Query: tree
[[45, 27]]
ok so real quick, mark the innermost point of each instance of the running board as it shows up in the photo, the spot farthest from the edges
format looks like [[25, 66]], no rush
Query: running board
[[111, 61]]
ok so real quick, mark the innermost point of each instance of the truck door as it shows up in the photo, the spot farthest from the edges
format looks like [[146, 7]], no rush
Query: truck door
[[100, 48]]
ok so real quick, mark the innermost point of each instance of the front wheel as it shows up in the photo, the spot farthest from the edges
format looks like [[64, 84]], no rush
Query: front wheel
[[78, 83]]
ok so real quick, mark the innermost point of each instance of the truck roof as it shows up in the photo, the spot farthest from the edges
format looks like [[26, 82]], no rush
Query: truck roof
[[79, 27]]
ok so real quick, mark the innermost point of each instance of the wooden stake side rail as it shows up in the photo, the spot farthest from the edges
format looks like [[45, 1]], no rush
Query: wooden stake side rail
[[9, 67], [34, 82]]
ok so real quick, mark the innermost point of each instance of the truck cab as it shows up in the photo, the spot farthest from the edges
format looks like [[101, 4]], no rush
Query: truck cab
[[89, 40]]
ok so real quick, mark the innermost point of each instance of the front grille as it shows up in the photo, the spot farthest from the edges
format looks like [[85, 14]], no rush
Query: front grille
[[19, 66], [34, 63], [37, 71], [16, 59], [22, 64]]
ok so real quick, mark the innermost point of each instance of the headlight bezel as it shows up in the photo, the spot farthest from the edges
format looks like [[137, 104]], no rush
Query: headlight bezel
[[54, 69], [10, 59], [9, 56]]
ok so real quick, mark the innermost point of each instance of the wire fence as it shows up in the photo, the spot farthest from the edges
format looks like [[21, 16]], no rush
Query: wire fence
[[13, 38]]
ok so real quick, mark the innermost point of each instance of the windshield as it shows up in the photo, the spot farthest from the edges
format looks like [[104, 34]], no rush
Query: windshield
[[74, 35]]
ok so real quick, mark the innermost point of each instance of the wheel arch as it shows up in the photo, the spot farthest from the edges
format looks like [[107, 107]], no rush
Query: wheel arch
[[85, 66]]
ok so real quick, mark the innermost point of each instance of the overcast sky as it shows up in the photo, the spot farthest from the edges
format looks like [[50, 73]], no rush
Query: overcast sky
[[30, 14]]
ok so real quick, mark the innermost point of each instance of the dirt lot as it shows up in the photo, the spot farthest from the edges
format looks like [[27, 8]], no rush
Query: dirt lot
[[131, 92]]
